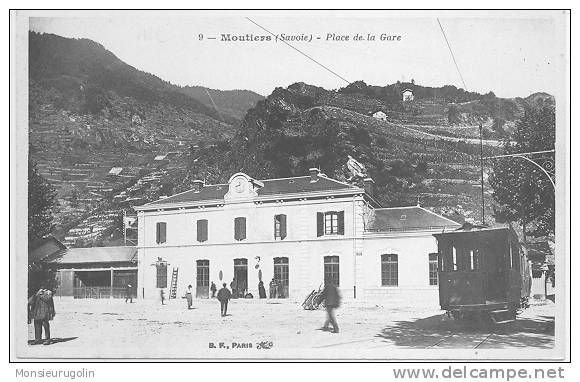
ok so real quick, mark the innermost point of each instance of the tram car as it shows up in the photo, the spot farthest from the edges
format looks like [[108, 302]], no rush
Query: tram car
[[483, 272]]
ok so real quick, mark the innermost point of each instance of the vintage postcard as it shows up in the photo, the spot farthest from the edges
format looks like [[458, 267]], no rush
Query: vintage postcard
[[290, 185]]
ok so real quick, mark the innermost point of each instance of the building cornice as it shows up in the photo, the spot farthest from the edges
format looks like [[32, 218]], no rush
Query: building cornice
[[259, 199]]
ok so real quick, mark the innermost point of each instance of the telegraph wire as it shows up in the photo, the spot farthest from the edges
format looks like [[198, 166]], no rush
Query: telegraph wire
[[301, 52], [452, 55]]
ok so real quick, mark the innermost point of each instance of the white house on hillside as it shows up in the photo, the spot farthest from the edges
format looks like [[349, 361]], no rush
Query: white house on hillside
[[408, 95]]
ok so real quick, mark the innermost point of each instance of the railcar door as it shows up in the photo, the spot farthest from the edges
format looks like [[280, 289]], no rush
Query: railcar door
[[461, 281]]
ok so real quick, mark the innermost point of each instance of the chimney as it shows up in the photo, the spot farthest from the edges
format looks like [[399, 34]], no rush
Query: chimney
[[197, 185], [369, 185], [314, 174]]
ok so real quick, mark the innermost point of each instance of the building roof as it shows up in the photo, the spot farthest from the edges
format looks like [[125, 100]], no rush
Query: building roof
[[300, 184], [45, 249], [115, 170], [97, 255], [407, 219]]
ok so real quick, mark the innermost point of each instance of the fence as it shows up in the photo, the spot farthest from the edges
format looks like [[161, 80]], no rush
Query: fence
[[100, 292]]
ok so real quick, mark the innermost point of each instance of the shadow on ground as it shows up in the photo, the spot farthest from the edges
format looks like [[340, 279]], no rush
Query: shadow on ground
[[441, 331], [54, 340]]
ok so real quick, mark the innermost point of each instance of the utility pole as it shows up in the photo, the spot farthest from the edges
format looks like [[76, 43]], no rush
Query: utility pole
[[481, 164], [124, 227]]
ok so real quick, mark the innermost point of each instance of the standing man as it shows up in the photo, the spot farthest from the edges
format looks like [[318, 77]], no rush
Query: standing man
[[189, 297], [213, 289], [224, 295], [234, 287], [41, 310], [129, 294], [273, 288], [331, 297]]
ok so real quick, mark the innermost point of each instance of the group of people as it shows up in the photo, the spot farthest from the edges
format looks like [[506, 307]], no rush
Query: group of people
[[41, 306]]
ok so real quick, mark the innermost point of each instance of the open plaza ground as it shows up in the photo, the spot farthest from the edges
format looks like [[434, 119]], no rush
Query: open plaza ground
[[275, 329]]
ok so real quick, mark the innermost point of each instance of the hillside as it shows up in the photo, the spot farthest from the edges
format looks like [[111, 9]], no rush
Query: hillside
[[97, 126], [418, 153], [234, 103], [110, 137]]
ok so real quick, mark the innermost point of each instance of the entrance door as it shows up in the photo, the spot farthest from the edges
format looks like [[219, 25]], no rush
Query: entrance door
[[202, 282], [281, 275], [240, 282]]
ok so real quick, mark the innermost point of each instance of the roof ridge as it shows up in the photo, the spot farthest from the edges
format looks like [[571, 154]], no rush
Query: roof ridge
[[438, 215]]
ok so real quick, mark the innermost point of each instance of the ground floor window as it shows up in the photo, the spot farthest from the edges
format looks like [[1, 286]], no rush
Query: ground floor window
[[433, 279], [161, 275], [390, 270], [202, 280], [239, 284], [281, 276], [331, 270]]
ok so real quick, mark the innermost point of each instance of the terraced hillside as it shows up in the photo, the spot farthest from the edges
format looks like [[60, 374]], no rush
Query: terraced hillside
[[97, 126], [416, 153]]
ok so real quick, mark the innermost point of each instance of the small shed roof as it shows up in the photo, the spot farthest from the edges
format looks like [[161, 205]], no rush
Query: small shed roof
[[98, 255], [45, 249], [115, 170]]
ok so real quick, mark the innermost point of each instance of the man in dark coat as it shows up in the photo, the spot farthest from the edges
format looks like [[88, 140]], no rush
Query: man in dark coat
[[261, 289], [331, 297], [224, 295], [213, 289], [41, 310]]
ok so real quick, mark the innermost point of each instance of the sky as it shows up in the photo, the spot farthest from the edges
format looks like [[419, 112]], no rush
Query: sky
[[510, 54]]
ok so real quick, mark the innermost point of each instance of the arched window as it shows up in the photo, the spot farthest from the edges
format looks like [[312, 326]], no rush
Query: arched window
[[390, 269]]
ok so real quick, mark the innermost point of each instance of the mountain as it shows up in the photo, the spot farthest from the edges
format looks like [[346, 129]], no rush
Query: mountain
[[90, 112], [234, 103], [421, 151], [110, 137]]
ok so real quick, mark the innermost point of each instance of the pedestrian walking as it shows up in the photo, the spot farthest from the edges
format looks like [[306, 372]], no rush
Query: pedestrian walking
[[213, 289], [224, 296], [261, 289], [331, 296], [41, 311], [129, 293], [189, 297]]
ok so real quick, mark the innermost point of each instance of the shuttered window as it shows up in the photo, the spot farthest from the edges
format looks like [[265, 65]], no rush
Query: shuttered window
[[330, 223], [202, 230], [240, 228], [161, 232], [280, 227]]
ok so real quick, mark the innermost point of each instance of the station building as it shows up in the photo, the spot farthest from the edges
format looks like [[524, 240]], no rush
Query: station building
[[299, 231]]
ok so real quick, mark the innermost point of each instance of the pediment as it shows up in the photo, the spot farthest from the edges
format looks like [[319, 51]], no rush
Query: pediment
[[241, 186]]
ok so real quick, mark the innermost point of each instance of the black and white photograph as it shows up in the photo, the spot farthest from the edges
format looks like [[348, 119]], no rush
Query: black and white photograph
[[296, 185]]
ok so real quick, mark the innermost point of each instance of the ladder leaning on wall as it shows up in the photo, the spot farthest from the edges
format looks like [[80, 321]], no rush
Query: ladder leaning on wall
[[173, 290]]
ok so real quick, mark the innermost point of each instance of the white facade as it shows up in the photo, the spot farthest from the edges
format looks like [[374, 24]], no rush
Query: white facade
[[358, 251], [380, 115]]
